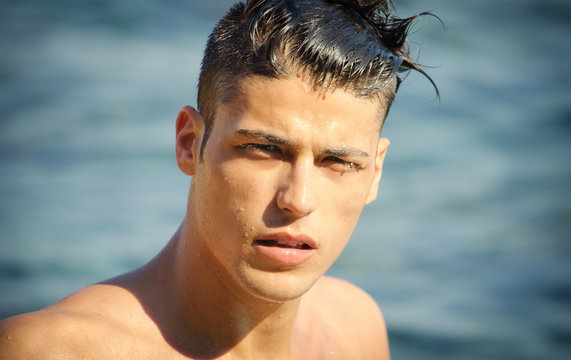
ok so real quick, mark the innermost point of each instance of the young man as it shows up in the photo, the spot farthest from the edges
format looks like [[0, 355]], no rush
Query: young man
[[284, 152]]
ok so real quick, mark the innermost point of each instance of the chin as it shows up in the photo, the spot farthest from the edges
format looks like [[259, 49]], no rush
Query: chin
[[279, 287]]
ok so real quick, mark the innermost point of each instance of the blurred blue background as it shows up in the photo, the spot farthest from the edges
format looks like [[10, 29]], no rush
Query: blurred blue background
[[467, 249]]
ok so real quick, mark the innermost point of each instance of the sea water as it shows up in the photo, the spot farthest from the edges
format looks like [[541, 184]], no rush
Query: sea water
[[467, 250]]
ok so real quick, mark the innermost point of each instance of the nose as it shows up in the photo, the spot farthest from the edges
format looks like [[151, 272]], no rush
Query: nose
[[296, 195]]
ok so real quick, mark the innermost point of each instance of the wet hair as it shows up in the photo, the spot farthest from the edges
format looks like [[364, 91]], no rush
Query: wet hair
[[357, 45]]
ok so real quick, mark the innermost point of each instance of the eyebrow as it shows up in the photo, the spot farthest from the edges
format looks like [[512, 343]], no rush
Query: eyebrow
[[267, 137], [341, 151], [348, 151]]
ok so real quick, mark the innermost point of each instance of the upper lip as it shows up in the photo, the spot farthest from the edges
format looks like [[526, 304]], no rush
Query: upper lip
[[289, 239]]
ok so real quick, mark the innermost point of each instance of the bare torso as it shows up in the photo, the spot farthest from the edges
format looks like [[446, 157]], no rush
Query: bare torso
[[335, 320]]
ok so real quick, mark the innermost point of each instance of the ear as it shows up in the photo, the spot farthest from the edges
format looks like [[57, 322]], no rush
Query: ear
[[189, 131], [382, 148]]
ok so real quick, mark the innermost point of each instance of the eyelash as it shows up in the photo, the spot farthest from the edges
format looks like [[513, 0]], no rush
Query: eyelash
[[348, 165], [273, 150], [261, 147]]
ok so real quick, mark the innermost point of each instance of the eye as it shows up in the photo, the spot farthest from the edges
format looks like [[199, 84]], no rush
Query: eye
[[260, 147], [267, 149], [340, 165]]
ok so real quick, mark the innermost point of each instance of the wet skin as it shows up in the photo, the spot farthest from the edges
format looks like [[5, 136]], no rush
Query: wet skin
[[283, 162], [284, 177]]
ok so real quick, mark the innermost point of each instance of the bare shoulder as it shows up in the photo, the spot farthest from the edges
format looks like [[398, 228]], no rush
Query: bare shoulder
[[350, 317], [73, 328], [342, 292], [37, 335], [349, 305]]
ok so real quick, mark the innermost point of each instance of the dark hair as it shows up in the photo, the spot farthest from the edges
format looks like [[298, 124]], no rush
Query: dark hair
[[358, 45]]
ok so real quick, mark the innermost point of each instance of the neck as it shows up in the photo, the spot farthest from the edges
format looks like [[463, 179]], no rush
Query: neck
[[209, 316]]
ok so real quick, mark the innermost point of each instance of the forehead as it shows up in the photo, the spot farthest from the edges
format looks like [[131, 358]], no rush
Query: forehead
[[291, 105]]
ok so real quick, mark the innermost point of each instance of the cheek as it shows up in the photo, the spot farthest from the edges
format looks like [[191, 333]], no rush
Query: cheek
[[345, 220], [345, 195], [342, 204], [242, 184], [243, 196]]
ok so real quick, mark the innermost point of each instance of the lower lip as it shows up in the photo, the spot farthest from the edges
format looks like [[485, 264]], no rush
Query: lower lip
[[286, 256]]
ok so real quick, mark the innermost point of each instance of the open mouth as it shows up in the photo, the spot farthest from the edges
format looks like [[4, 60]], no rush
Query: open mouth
[[285, 249], [282, 244]]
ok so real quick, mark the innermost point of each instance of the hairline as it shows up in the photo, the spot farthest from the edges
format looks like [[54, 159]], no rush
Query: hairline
[[230, 94]]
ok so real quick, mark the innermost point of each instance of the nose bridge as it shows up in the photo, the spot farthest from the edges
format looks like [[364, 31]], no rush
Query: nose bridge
[[297, 194]]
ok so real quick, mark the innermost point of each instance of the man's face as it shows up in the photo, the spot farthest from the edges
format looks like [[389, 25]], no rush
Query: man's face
[[285, 174]]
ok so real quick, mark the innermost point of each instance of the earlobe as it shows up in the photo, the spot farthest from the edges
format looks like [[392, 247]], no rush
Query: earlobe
[[189, 130], [382, 148]]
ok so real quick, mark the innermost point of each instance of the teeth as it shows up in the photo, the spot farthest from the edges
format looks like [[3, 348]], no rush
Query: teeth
[[285, 244], [289, 245]]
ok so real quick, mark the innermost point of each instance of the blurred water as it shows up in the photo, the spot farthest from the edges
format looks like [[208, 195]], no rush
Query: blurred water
[[467, 250]]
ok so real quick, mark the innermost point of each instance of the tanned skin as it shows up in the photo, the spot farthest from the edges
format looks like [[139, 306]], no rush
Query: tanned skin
[[283, 162]]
